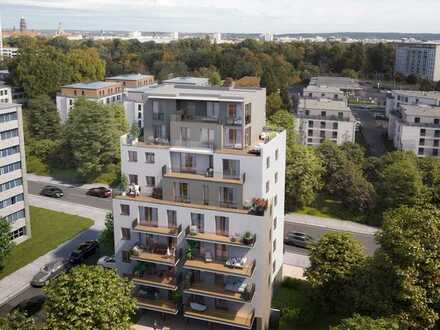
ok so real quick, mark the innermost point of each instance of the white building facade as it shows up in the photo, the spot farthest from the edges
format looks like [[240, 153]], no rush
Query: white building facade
[[13, 187], [5, 93], [403, 97], [209, 218], [420, 59], [325, 119]]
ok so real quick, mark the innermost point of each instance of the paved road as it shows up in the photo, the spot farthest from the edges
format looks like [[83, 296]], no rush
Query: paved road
[[372, 129], [73, 194]]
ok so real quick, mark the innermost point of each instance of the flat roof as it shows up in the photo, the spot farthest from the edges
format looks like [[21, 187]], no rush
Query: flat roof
[[91, 85], [420, 110], [187, 81], [8, 105], [339, 82], [431, 94], [324, 89], [323, 104], [130, 76], [418, 44], [170, 91]]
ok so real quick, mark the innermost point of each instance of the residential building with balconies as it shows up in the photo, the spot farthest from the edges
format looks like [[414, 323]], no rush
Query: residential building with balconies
[[396, 98], [99, 91], [13, 187], [133, 80], [207, 225], [323, 92], [324, 119], [416, 128]]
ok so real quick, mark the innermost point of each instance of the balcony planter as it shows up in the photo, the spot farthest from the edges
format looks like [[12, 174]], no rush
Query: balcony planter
[[248, 238], [157, 193], [258, 206]]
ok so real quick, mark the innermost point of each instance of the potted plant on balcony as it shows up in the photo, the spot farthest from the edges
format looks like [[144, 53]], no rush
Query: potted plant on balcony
[[248, 238], [259, 205], [133, 134], [176, 296], [124, 184]]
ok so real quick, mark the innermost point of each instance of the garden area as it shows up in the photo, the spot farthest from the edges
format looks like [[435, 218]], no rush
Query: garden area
[[49, 230]]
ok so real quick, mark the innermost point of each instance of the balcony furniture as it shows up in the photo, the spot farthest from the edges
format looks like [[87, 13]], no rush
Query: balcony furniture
[[235, 285], [236, 262], [198, 307], [208, 257]]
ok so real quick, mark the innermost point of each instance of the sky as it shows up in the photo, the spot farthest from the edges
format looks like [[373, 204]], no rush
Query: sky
[[239, 16]]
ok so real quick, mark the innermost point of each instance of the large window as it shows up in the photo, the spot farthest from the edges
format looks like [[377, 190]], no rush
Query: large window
[[11, 218], [11, 201], [17, 233], [132, 156], [172, 218], [8, 117], [222, 226], [198, 222], [9, 151], [125, 209], [11, 184], [10, 168], [149, 157], [9, 134]]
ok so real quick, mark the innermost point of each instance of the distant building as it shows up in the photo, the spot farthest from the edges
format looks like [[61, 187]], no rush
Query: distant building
[[217, 37], [268, 36], [23, 26], [323, 92], [420, 59], [401, 97], [325, 119], [60, 30], [9, 52], [13, 187], [5, 93], [416, 128], [134, 86], [347, 85], [99, 91], [187, 81]]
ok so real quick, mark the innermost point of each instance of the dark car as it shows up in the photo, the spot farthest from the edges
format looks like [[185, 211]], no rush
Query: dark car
[[31, 306], [84, 250], [298, 239], [50, 271], [51, 191], [102, 192]]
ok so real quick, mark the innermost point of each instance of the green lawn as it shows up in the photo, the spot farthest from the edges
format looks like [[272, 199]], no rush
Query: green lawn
[[49, 229], [293, 295]]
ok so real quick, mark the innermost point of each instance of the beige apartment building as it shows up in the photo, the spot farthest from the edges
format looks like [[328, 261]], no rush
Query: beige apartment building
[[134, 80]]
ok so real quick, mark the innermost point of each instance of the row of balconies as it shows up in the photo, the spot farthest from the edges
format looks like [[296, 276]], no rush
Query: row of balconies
[[160, 284]]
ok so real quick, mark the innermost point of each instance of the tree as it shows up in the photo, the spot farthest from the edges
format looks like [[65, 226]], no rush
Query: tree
[[332, 157], [358, 322], [17, 321], [92, 136], [89, 297], [303, 173], [334, 263], [426, 85], [40, 70], [409, 242], [42, 117], [412, 79], [350, 73], [274, 103], [107, 237], [284, 119], [215, 79], [354, 152], [86, 64], [5, 241]]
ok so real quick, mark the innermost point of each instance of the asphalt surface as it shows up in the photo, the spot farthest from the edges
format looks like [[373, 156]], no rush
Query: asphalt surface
[[73, 194]]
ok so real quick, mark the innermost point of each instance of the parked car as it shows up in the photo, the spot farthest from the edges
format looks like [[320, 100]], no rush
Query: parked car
[[83, 251], [31, 306], [50, 271], [102, 192], [380, 116], [298, 239], [51, 191], [107, 262]]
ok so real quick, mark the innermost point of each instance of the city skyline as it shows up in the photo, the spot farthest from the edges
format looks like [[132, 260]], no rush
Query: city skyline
[[247, 16]]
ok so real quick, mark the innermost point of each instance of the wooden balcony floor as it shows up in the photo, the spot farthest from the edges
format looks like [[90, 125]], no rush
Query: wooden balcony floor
[[200, 177], [241, 320], [216, 239], [213, 290], [166, 282], [160, 305], [155, 258], [165, 231], [218, 267]]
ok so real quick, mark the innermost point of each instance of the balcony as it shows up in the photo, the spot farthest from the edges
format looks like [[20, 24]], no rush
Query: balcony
[[241, 320], [159, 279], [240, 267], [158, 305], [208, 176], [246, 240], [154, 229], [156, 253], [238, 293]]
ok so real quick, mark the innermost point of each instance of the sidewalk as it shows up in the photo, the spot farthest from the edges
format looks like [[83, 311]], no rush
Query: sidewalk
[[331, 223], [18, 281], [51, 180]]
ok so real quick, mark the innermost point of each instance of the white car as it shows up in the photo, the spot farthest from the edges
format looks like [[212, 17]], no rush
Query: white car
[[107, 262]]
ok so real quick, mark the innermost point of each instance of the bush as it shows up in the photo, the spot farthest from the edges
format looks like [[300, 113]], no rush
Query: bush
[[35, 165]]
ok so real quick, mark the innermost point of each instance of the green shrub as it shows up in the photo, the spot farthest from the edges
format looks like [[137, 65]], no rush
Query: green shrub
[[35, 165]]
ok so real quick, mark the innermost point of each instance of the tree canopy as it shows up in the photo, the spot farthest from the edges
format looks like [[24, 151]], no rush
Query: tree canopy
[[43, 121], [5, 240]]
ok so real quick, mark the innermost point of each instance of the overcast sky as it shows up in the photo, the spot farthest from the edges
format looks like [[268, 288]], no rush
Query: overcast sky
[[277, 16]]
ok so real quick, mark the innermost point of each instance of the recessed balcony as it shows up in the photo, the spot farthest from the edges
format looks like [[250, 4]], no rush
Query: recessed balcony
[[231, 291], [245, 240], [154, 229], [238, 319], [156, 253], [236, 266]]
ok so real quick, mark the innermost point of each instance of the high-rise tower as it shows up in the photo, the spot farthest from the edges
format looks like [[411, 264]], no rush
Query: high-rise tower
[[23, 27]]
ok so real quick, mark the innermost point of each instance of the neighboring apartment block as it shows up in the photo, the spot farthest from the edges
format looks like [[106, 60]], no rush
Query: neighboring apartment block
[[416, 128], [208, 221], [99, 91], [5, 93], [13, 188], [133, 80], [420, 59], [396, 98], [9, 52], [325, 119], [323, 92], [345, 84]]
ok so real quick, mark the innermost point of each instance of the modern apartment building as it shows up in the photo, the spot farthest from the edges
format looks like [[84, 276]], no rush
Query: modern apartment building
[[323, 92], [13, 187], [325, 119], [204, 238], [133, 80], [5, 93], [9, 52], [99, 91], [188, 81], [396, 98], [347, 85], [420, 59], [416, 128]]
